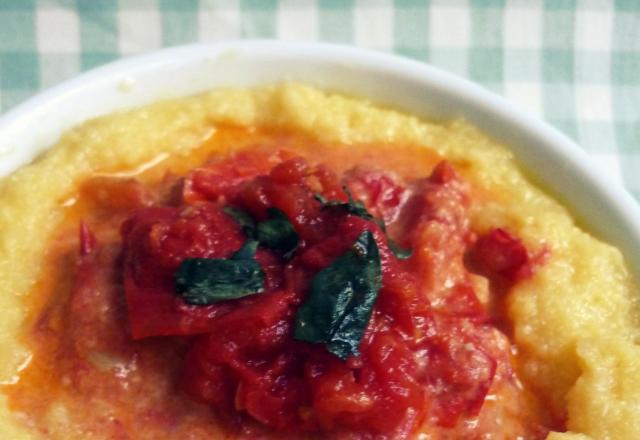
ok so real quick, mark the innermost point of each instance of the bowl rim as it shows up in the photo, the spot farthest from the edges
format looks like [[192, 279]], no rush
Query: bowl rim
[[615, 202]]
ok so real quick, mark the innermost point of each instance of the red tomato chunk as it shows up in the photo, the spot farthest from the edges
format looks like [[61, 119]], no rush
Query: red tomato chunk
[[429, 353], [499, 254]]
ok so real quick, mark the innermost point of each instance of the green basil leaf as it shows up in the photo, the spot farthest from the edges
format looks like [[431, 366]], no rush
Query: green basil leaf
[[400, 253], [322, 199], [202, 281], [247, 224], [277, 233], [247, 251], [338, 307], [357, 208]]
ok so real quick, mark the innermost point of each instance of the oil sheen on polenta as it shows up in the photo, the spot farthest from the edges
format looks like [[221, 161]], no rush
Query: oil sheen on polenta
[[574, 322]]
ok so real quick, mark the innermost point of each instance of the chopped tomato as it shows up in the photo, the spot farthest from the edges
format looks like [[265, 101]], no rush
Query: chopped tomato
[[460, 374], [500, 255], [416, 361], [124, 337], [156, 241], [378, 190]]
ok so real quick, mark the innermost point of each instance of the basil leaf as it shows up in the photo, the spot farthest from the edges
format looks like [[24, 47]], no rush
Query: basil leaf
[[277, 233], [247, 251], [322, 199], [357, 208], [338, 307], [400, 253], [202, 281], [247, 224]]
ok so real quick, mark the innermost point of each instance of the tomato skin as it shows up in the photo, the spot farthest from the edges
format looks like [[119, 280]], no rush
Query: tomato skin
[[213, 181], [419, 357], [156, 240], [250, 348], [378, 189], [460, 374], [156, 311], [501, 256], [291, 171]]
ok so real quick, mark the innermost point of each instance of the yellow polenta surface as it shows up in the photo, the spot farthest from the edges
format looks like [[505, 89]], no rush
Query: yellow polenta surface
[[575, 321]]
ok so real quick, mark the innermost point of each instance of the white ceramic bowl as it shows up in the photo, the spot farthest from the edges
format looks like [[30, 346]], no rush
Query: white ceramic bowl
[[549, 157]]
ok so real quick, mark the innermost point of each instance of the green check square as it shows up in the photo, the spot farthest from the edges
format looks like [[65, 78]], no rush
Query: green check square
[[89, 60], [336, 4], [626, 31], [411, 27], [625, 67], [179, 5], [557, 65], [11, 98], [134, 5], [485, 31], [258, 18], [96, 5], [485, 64], [559, 29], [627, 5], [16, 5], [17, 31], [179, 27], [628, 139], [487, 4], [19, 70], [258, 5], [98, 31], [420, 54], [560, 5], [566, 126], [409, 4], [335, 25]]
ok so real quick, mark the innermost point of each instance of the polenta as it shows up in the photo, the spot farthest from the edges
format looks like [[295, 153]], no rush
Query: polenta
[[550, 334]]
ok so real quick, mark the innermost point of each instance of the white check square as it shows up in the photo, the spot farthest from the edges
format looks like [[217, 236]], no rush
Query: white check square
[[373, 24], [593, 102], [450, 26], [219, 22], [58, 30], [297, 20], [528, 95], [139, 30], [523, 25], [593, 29]]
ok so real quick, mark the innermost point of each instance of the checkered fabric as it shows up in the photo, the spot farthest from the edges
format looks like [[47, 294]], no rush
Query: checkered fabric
[[574, 63]]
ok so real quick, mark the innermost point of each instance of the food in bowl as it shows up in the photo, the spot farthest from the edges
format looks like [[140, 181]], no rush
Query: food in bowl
[[282, 262]]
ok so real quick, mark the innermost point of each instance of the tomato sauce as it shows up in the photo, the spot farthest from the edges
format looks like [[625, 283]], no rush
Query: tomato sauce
[[108, 330]]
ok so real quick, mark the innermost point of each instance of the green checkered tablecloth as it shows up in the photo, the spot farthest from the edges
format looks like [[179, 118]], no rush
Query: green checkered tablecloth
[[574, 63]]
